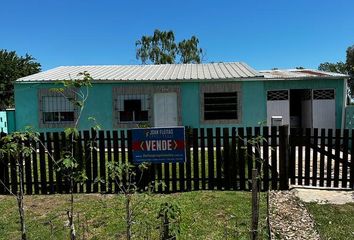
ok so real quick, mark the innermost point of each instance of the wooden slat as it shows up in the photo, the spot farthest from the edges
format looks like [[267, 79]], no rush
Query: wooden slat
[[218, 158], [195, 159], [227, 169], [4, 171], [314, 157], [51, 164], [210, 144], [35, 166], [42, 165], [109, 159], [80, 159], [345, 158], [75, 150], [329, 160], [266, 159], [167, 177], [249, 156], [115, 156], [202, 157], [58, 175], [65, 146], [174, 177], [336, 161], [3, 166], [351, 185], [292, 159], [101, 144], [14, 175], [322, 163], [188, 161], [283, 158], [241, 157], [94, 160], [123, 151], [274, 158], [233, 161], [307, 155], [28, 171], [88, 161], [300, 157]]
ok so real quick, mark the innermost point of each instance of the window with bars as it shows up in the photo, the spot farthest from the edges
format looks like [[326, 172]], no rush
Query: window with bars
[[133, 108], [57, 109], [323, 94], [277, 95], [220, 106]]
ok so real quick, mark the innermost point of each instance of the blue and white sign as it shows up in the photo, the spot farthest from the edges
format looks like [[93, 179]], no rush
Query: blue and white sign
[[158, 145]]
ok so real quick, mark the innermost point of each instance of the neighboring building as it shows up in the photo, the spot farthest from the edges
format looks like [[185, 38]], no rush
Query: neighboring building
[[7, 121], [195, 95]]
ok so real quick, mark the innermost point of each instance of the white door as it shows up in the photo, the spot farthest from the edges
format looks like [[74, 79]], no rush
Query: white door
[[165, 109], [278, 105], [324, 108]]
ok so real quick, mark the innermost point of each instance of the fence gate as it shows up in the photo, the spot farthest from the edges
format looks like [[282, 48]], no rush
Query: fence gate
[[321, 158]]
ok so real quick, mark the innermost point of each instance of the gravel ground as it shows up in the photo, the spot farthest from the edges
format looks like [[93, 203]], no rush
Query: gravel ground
[[289, 219]]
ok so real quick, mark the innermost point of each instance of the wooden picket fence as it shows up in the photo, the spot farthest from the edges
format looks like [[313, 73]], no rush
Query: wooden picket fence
[[216, 159]]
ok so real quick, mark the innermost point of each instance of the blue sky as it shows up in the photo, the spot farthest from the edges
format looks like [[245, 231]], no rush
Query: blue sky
[[263, 33]]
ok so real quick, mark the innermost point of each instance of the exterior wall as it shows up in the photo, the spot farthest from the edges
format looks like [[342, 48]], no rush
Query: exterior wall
[[100, 102], [3, 122], [313, 84], [349, 117]]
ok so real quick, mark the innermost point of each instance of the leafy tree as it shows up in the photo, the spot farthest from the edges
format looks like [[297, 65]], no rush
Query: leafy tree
[[12, 67], [189, 51], [161, 48], [339, 67], [15, 146], [344, 68]]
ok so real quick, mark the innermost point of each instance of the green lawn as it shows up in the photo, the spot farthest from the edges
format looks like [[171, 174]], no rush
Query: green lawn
[[333, 221], [204, 215]]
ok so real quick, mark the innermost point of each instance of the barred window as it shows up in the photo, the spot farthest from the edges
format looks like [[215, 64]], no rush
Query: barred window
[[323, 94], [57, 109], [133, 108], [220, 106], [277, 95]]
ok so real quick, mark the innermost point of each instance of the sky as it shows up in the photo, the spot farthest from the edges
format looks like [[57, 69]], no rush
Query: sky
[[263, 33]]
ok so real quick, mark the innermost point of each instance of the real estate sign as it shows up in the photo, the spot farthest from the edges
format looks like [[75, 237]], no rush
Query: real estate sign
[[158, 145]]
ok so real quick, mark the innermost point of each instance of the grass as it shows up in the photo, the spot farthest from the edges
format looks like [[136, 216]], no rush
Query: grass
[[204, 215], [333, 221]]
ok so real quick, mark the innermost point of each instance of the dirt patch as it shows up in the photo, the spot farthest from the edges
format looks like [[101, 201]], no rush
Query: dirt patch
[[289, 218], [322, 196]]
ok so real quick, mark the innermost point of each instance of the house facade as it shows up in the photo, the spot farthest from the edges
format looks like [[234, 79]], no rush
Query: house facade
[[195, 95]]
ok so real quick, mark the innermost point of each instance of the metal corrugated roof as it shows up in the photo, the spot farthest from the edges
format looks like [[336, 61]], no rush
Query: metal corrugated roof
[[299, 73], [205, 71]]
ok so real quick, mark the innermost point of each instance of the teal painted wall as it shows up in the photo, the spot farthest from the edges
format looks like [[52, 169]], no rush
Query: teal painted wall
[[100, 105], [349, 117], [3, 122], [11, 120], [338, 85]]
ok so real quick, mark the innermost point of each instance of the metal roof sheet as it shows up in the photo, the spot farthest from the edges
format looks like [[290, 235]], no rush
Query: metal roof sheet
[[299, 73], [207, 71]]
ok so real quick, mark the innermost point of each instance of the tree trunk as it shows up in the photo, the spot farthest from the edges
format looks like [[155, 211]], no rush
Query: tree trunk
[[21, 206], [255, 207], [128, 216], [71, 215]]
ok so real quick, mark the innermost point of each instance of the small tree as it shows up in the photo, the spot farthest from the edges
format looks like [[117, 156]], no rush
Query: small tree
[[14, 146], [170, 216], [124, 175], [68, 164]]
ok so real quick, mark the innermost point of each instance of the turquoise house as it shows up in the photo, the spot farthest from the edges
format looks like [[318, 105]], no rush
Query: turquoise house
[[195, 95]]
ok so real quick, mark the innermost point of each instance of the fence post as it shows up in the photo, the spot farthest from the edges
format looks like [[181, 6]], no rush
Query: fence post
[[284, 157]]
